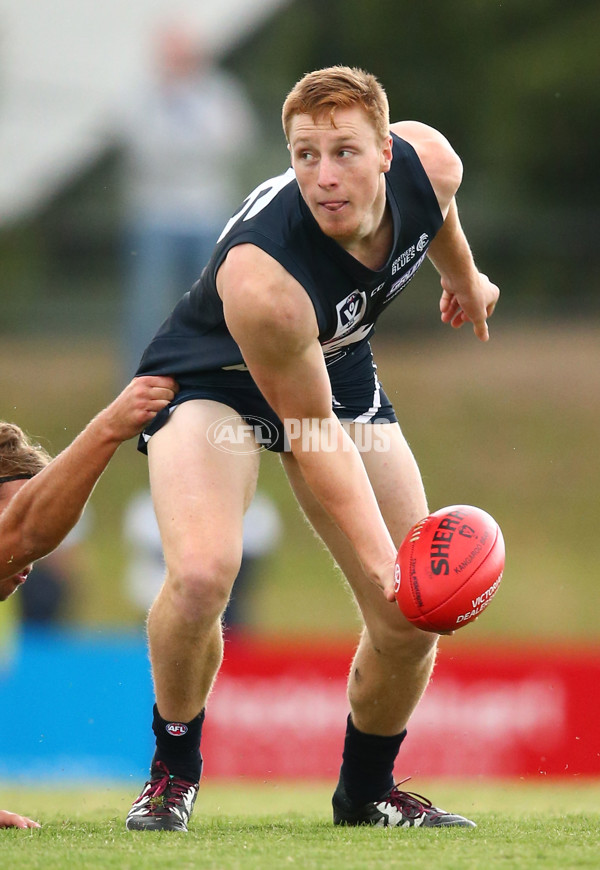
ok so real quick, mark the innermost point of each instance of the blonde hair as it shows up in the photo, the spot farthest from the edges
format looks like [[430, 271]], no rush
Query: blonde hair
[[338, 87], [19, 455]]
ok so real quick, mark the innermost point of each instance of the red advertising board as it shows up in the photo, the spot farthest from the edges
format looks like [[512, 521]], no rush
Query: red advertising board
[[281, 711]]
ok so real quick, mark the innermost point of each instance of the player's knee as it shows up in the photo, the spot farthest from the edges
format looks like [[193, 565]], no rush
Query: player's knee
[[200, 589], [400, 640]]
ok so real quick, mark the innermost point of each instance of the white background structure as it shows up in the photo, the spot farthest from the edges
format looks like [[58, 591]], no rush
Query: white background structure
[[66, 65]]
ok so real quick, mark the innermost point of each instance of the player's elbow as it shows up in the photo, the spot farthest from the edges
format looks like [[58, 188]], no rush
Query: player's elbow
[[455, 170], [449, 171]]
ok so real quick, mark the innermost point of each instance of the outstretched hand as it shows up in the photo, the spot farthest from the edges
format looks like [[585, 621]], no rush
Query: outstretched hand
[[472, 304], [13, 820], [138, 404]]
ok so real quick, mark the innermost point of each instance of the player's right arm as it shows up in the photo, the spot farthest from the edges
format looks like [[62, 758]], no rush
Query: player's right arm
[[47, 507], [467, 294], [272, 319]]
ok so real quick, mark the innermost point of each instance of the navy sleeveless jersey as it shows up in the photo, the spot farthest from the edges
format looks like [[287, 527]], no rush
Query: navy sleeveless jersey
[[347, 296]]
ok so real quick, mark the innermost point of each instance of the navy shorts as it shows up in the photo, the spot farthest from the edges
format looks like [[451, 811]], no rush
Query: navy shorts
[[357, 397]]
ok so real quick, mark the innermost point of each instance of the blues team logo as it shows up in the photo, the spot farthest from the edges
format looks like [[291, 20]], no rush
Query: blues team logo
[[423, 242]]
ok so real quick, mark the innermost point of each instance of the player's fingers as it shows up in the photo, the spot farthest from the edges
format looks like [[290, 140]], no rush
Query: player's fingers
[[481, 330], [169, 384], [448, 301], [153, 406], [150, 398], [458, 318], [159, 394], [29, 823], [148, 388], [449, 314], [445, 300], [155, 381], [151, 409]]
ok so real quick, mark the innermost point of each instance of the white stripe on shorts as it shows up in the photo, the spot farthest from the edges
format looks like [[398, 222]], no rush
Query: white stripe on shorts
[[370, 413], [367, 415]]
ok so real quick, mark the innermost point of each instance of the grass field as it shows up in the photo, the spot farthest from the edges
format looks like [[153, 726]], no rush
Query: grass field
[[269, 826]]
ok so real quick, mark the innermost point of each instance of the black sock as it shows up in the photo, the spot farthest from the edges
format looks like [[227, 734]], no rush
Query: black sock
[[367, 770], [178, 746]]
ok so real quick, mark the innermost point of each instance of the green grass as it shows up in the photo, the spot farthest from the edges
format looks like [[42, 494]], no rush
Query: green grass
[[511, 426], [268, 826]]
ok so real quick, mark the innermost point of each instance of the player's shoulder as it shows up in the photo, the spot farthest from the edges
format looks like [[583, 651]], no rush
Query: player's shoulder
[[263, 304], [418, 133], [440, 161], [248, 265], [250, 278]]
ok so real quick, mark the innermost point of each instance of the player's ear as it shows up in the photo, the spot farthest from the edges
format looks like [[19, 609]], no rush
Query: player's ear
[[386, 154]]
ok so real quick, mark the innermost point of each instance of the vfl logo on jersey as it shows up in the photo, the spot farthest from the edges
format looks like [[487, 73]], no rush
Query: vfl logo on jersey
[[350, 311]]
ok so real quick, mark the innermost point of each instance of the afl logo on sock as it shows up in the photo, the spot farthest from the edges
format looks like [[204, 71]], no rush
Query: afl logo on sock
[[176, 729]]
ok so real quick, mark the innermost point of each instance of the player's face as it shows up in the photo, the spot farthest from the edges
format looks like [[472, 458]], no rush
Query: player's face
[[8, 586], [340, 172]]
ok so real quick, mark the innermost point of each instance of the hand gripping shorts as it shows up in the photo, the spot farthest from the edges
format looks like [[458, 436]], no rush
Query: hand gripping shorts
[[357, 397]]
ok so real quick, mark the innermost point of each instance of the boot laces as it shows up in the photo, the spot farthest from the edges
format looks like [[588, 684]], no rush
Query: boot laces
[[410, 804], [164, 791]]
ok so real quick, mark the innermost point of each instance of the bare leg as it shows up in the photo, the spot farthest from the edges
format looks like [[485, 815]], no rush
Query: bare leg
[[200, 496], [393, 662]]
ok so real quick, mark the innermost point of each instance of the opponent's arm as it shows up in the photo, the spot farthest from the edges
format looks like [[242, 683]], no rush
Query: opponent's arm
[[467, 294], [47, 507], [271, 317]]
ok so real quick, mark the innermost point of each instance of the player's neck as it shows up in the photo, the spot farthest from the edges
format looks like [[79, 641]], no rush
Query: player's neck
[[373, 248]]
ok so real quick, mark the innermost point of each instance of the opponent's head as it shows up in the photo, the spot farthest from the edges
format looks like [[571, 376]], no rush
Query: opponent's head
[[322, 92], [20, 459]]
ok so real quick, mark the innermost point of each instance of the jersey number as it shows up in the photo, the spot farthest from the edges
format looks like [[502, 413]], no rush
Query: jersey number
[[258, 199]]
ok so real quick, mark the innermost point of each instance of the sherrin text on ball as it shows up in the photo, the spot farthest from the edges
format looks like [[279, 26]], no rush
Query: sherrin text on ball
[[449, 568]]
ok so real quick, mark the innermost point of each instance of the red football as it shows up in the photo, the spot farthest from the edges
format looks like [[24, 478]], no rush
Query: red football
[[449, 568]]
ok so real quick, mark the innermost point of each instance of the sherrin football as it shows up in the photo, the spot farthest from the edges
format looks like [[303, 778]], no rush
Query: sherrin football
[[449, 568]]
